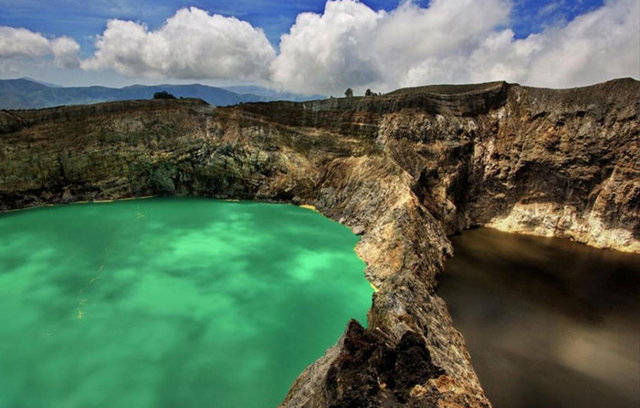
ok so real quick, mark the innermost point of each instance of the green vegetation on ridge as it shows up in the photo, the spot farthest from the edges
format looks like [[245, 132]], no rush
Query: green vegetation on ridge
[[27, 94]]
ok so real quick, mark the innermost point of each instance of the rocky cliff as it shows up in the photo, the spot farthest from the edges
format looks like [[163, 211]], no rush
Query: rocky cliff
[[404, 170]]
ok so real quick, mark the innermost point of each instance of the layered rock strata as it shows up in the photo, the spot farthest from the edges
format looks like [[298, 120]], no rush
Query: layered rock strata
[[404, 170]]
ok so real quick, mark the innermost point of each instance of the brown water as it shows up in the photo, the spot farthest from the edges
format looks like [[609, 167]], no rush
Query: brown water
[[548, 322]]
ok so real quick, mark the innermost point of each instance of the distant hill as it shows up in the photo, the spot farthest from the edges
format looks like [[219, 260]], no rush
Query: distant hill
[[271, 94], [29, 94]]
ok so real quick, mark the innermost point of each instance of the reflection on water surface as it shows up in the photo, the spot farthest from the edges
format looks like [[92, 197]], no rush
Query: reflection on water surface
[[548, 322], [170, 302]]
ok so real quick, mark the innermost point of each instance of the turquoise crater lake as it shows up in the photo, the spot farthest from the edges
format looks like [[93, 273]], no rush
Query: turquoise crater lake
[[170, 302]]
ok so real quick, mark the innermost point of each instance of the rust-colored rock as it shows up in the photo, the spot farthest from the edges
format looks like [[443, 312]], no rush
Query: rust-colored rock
[[404, 170]]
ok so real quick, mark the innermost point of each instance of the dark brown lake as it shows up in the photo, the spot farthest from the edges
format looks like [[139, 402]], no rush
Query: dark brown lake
[[548, 322]]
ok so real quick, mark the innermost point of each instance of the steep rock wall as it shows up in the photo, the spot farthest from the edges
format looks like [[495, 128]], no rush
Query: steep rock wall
[[404, 170]]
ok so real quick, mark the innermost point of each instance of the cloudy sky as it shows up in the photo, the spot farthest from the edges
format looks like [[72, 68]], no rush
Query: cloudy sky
[[319, 46]]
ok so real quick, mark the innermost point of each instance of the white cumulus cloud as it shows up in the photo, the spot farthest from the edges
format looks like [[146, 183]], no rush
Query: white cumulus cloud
[[22, 43], [351, 45], [453, 41], [190, 45], [325, 53], [65, 52], [594, 47]]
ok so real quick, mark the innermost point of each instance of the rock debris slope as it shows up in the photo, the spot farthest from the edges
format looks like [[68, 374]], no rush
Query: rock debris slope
[[404, 170]]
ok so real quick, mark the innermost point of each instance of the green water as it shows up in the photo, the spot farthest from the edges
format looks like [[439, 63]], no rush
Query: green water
[[170, 302]]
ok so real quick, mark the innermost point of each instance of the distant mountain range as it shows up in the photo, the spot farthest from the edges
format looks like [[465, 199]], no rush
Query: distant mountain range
[[29, 94]]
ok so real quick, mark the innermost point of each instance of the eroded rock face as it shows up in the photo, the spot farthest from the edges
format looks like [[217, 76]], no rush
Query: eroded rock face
[[404, 170], [390, 371]]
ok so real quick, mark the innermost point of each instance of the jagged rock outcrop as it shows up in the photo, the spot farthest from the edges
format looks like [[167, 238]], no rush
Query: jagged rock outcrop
[[404, 170]]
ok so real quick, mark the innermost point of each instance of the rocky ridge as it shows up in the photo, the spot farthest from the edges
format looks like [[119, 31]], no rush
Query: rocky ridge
[[404, 170]]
